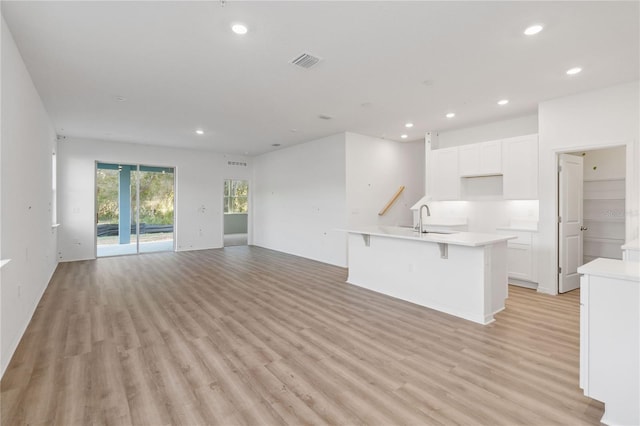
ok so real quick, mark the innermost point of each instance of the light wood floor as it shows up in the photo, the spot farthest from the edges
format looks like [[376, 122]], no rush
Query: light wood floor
[[245, 335]]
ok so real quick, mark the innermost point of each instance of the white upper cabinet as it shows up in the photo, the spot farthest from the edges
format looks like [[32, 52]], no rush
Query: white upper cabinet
[[469, 159], [443, 173], [481, 159], [515, 159], [520, 168]]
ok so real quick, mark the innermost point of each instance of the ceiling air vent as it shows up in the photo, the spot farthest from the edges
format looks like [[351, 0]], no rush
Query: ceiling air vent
[[305, 60]]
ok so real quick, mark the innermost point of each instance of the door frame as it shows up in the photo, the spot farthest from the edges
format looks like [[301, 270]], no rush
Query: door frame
[[137, 165], [630, 197], [249, 212]]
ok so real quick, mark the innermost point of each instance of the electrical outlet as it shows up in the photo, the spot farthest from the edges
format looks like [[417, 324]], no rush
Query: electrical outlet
[[19, 290]]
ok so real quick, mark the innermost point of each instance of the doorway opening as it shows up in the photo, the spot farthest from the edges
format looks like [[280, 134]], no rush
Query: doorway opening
[[236, 212], [134, 209], [591, 209]]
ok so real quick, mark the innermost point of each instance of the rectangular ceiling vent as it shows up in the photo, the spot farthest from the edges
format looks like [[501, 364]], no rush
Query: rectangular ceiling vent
[[305, 60], [237, 163]]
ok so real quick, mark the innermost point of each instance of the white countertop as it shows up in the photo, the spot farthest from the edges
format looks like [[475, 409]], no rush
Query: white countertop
[[632, 245], [471, 239], [612, 268]]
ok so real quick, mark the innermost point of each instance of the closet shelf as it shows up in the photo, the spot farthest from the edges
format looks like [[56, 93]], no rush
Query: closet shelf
[[604, 196], [605, 240], [605, 219], [604, 214], [605, 180]]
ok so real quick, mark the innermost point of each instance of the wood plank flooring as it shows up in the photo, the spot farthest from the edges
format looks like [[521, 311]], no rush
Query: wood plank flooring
[[245, 335]]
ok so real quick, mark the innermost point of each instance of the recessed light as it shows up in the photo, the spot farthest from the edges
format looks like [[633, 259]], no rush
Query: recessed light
[[408, 125], [503, 101], [239, 29], [450, 115], [533, 29], [275, 144], [404, 136], [200, 132], [574, 71], [120, 98]]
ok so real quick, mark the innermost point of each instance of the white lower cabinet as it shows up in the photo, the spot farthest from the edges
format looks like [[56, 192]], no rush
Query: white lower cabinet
[[610, 338], [520, 261], [522, 265]]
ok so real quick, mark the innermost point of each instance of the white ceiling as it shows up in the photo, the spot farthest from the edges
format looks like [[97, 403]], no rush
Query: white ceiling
[[181, 68]]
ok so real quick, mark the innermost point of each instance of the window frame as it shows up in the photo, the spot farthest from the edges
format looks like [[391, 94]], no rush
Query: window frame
[[230, 195]]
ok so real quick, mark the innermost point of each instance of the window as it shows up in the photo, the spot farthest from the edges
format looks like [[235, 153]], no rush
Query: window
[[235, 196]]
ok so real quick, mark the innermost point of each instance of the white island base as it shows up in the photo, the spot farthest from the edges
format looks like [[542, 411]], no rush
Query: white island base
[[462, 274]]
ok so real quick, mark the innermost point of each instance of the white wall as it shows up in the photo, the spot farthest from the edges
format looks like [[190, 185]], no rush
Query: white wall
[[376, 168], [199, 191], [609, 163], [525, 125], [28, 142], [602, 118], [299, 198]]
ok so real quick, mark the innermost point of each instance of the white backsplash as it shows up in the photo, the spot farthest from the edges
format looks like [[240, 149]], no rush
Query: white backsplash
[[486, 216]]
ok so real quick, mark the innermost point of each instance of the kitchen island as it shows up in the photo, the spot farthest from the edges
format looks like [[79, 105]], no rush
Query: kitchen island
[[461, 273]]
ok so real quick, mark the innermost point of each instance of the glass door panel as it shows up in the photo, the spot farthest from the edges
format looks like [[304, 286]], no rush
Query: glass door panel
[[156, 212], [114, 209]]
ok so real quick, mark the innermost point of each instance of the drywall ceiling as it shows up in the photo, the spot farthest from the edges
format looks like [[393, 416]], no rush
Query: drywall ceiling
[[181, 68]]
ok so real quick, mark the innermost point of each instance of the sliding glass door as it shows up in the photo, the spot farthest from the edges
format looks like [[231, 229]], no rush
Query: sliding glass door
[[134, 209], [156, 209]]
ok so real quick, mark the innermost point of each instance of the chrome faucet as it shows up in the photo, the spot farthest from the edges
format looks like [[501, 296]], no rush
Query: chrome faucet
[[420, 216]]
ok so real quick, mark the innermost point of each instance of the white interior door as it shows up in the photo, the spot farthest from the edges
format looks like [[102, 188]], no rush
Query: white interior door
[[570, 222]]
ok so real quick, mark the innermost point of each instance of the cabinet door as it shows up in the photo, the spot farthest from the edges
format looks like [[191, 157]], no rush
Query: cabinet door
[[520, 168], [469, 160], [480, 159], [491, 158], [520, 261], [445, 180]]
